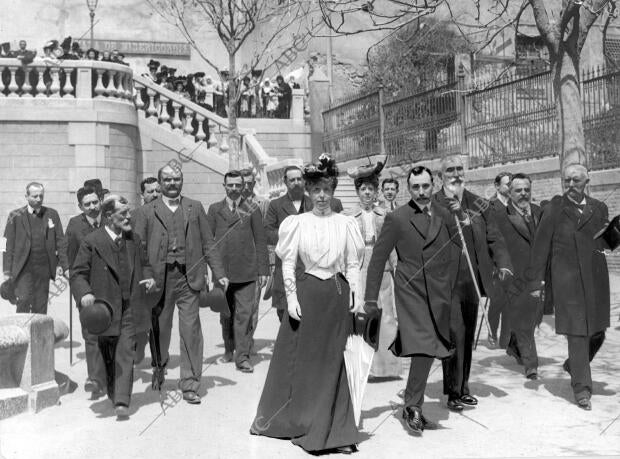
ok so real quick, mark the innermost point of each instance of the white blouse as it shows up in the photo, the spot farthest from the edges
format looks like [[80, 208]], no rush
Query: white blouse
[[325, 244]]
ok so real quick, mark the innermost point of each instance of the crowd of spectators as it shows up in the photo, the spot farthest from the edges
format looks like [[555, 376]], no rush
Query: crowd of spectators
[[257, 98]]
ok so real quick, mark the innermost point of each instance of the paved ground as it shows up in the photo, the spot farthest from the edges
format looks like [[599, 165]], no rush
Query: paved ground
[[515, 418]]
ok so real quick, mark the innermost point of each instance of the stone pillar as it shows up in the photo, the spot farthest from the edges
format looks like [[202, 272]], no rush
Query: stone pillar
[[84, 83], [33, 370], [297, 106], [318, 86]]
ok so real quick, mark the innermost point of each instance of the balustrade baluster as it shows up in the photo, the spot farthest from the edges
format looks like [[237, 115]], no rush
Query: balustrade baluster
[[224, 147], [212, 140], [189, 117], [1, 83], [27, 87], [137, 97], [200, 134], [110, 90], [176, 119], [55, 86], [13, 83], [99, 88], [151, 110], [68, 88], [40, 89], [164, 116], [122, 86], [128, 86]]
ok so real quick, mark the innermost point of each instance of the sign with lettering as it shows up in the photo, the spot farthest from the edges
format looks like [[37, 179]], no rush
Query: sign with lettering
[[135, 47]]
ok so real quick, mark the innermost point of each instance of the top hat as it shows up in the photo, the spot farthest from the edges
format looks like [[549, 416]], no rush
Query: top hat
[[368, 326], [96, 184], [97, 318], [7, 291], [611, 233], [153, 64], [215, 299]]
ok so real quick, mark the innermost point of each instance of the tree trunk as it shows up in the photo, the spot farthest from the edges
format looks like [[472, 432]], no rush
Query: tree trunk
[[234, 151], [568, 102]]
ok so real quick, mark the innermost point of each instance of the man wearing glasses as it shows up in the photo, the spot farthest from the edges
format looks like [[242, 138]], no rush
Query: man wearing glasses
[[488, 254]]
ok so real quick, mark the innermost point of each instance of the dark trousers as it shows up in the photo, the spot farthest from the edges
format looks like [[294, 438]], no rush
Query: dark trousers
[[254, 317], [177, 291], [32, 287], [463, 317], [95, 365], [523, 315], [416, 383], [581, 351], [237, 329], [118, 354]]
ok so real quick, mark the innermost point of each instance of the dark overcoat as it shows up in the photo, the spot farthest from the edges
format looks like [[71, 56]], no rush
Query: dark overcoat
[[150, 225], [240, 240], [488, 252], [77, 229], [96, 271], [523, 310], [577, 277], [18, 239], [426, 268]]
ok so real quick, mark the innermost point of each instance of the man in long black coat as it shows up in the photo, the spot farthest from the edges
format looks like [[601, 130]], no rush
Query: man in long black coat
[[111, 265], [424, 236], [488, 254], [577, 277], [518, 225]]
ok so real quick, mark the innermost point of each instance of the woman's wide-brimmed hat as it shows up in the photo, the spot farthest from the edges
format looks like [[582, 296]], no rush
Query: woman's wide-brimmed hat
[[326, 167], [97, 318], [367, 170]]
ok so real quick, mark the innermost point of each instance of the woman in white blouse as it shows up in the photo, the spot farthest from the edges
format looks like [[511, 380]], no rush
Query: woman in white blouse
[[306, 396]]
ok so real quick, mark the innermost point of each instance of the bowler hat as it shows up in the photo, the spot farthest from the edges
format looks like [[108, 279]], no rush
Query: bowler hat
[[97, 318], [368, 325], [611, 233], [215, 299], [7, 291]]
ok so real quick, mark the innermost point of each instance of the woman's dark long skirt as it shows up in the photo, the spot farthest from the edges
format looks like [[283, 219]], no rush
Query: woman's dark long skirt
[[306, 395]]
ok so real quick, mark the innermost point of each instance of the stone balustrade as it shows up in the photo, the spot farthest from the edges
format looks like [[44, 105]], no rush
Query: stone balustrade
[[66, 79], [275, 175]]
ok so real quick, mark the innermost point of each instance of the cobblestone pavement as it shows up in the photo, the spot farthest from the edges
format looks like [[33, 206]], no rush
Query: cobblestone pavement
[[515, 417]]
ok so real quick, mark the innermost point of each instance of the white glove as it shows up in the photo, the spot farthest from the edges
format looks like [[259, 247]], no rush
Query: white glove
[[294, 310]]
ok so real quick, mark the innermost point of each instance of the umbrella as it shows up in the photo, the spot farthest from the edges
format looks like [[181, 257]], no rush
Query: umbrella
[[358, 353]]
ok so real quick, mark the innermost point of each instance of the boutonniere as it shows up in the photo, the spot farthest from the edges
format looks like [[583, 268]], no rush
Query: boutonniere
[[50, 223]]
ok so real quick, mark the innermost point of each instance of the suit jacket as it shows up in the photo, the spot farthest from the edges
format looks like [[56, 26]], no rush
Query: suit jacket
[[199, 243], [425, 275], [571, 261], [489, 252], [18, 240], [514, 229], [96, 271], [77, 229], [240, 240]]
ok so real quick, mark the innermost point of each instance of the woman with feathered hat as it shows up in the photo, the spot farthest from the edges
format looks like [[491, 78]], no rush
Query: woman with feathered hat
[[370, 219], [306, 396]]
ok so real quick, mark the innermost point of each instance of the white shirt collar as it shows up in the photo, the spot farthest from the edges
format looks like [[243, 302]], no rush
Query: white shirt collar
[[229, 202], [168, 201], [92, 221], [31, 210], [112, 234], [502, 199], [582, 203]]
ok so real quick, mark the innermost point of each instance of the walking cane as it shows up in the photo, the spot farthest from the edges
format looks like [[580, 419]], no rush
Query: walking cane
[[473, 275], [70, 328]]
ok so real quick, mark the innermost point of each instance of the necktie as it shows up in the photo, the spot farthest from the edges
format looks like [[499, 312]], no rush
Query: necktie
[[118, 241], [234, 207], [175, 202], [95, 224], [529, 222], [426, 213]]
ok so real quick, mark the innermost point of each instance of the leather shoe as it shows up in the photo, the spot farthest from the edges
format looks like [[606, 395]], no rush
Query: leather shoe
[[469, 400], [413, 419], [584, 403], [429, 425], [121, 411], [531, 374], [245, 367], [191, 397], [227, 357], [492, 342], [349, 449], [94, 387], [454, 404]]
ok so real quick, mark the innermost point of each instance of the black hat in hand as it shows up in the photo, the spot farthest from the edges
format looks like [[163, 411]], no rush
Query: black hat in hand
[[215, 299], [7, 291]]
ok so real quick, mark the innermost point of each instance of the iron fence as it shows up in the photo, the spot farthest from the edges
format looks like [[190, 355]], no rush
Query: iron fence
[[512, 119]]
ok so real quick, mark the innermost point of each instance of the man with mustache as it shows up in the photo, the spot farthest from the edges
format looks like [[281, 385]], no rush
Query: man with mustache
[[77, 229], [518, 225], [569, 263], [180, 244], [488, 253], [240, 239]]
